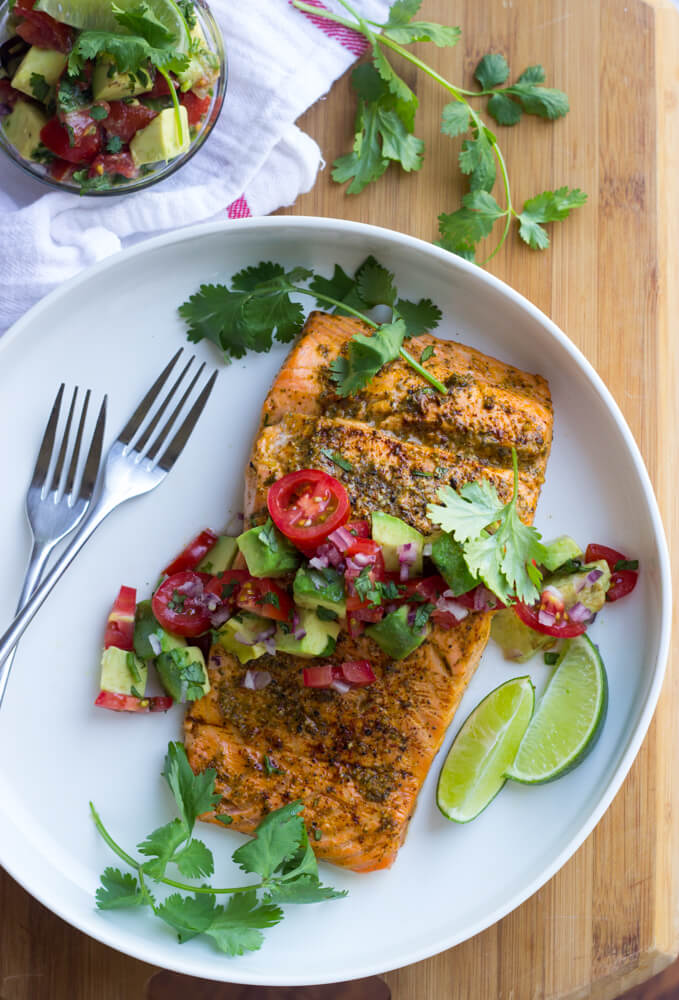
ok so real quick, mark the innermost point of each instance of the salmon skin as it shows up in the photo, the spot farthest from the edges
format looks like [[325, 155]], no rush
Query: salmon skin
[[359, 759]]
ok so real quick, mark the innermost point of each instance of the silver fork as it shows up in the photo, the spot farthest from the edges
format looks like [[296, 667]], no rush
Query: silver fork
[[54, 507], [138, 460]]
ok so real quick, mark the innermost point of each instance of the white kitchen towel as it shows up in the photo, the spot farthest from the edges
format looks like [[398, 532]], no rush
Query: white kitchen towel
[[280, 61]]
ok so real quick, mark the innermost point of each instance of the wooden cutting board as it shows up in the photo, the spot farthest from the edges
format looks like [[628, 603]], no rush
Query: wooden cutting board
[[608, 920]]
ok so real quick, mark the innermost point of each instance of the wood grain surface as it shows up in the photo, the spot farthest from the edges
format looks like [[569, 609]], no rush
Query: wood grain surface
[[608, 919]]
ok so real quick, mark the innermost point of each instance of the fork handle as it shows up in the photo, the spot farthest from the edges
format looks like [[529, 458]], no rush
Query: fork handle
[[36, 566], [23, 618]]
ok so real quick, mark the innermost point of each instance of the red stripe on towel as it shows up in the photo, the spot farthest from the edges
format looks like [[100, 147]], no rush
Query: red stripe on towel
[[239, 209], [351, 40]]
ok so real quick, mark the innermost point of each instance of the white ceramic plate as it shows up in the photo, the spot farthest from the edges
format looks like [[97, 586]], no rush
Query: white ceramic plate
[[112, 329]]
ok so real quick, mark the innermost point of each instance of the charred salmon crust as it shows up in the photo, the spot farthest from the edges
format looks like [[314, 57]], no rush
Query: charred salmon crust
[[358, 760]]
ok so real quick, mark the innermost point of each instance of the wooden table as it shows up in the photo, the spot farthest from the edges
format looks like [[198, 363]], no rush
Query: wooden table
[[611, 281]]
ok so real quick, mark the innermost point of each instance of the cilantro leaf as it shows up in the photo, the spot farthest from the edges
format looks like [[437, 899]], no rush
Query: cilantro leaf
[[277, 836], [461, 230], [337, 459], [419, 317], [397, 142], [427, 353], [533, 74], [455, 118], [129, 53], [365, 357], [403, 30], [341, 287], [550, 206], [70, 95], [189, 915], [478, 160], [546, 102], [195, 860], [403, 11], [161, 845], [194, 793], [142, 21], [236, 928], [375, 283], [504, 110], [40, 88], [396, 85], [467, 513], [492, 70], [118, 890], [366, 162], [305, 889]]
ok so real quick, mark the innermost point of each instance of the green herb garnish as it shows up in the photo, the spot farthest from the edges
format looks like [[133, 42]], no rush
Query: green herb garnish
[[40, 88], [326, 614], [267, 536], [131, 664], [551, 659], [258, 307], [337, 459], [98, 113], [427, 353], [176, 602], [114, 144], [270, 767], [626, 564], [280, 855], [498, 547], [385, 124]]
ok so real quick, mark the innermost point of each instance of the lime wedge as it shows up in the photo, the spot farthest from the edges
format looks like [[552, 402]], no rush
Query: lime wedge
[[97, 15], [568, 719], [474, 770]]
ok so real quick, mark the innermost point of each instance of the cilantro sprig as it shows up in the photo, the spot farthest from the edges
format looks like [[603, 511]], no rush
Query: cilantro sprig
[[498, 548], [385, 127], [279, 854], [257, 307]]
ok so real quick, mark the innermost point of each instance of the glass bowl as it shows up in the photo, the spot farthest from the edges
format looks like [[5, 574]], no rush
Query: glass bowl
[[152, 173]]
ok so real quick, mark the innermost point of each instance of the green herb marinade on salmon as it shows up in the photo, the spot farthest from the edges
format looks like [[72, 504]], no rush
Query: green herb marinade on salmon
[[358, 759]]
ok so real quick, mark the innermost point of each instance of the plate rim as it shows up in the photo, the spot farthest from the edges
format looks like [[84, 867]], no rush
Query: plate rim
[[106, 932]]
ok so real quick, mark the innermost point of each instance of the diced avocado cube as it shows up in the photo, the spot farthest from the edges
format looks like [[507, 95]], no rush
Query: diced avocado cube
[[319, 639], [203, 69], [183, 673], [162, 139], [243, 626], [220, 557], [267, 552], [575, 588], [108, 85], [391, 532], [560, 551], [395, 636], [45, 63], [517, 641], [146, 625], [448, 557], [23, 126], [324, 588], [121, 672]]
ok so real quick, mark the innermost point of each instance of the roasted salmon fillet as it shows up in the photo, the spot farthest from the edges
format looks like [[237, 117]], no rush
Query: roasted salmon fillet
[[358, 759]]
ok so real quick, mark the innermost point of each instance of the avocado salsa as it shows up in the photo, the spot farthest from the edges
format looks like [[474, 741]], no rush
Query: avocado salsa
[[292, 583], [69, 110]]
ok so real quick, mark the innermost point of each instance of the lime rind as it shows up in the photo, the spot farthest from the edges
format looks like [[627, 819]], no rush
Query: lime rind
[[97, 15], [474, 770], [569, 717]]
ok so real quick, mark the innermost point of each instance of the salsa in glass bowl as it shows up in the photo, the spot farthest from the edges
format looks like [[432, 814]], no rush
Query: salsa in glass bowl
[[104, 97]]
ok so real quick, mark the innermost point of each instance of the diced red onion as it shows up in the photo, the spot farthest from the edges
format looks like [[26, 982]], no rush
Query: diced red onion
[[446, 603], [221, 615], [411, 618], [270, 645], [342, 538], [363, 559], [579, 613], [427, 549], [266, 633], [546, 617], [404, 572], [154, 643], [483, 598], [320, 562], [299, 633], [592, 577], [192, 588], [551, 591], [340, 687], [244, 639], [256, 680], [407, 553]]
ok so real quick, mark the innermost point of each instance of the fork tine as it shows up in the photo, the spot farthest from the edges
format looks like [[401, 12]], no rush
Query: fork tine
[[153, 423], [42, 463], [162, 436], [93, 460], [70, 478], [174, 449], [61, 458], [133, 424]]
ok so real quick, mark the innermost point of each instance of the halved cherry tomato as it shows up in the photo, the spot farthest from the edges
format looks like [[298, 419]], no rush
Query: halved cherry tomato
[[356, 673], [564, 628], [181, 603], [124, 120], [264, 597], [120, 624], [196, 107], [364, 552], [76, 139], [594, 553], [40, 29], [61, 170], [194, 552], [129, 703], [227, 585], [623, 582], [306, 506], [361, 529], [112, 164]]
